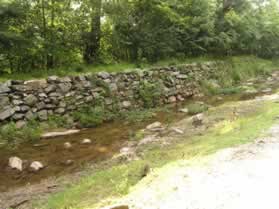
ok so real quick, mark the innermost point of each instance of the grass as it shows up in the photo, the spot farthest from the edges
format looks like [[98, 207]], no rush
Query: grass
[[196, 108], [116, 181], [11, 135]]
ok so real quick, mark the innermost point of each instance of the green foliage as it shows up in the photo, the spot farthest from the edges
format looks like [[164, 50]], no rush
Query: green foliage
[[196, 108], [150, 93], [91, 116], [137, 116], [12, 135], [37, 36]]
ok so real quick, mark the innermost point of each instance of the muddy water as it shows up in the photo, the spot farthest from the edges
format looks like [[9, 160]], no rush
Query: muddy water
[[106, 141]]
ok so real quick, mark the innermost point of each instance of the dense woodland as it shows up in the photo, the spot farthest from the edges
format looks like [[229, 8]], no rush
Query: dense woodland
[[46, 34]]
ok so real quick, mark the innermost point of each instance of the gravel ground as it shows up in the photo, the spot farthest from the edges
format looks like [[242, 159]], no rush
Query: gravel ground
[[245, 177]]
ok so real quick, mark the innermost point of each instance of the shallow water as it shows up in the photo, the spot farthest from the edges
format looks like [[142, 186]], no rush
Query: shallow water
[[107, 140]]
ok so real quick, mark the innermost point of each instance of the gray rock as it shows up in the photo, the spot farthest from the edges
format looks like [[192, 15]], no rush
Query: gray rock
[[4, 101], [15, 163], [53, 79], [40, 105], [42, 95], [198, 119], [184, 110], [62, 104], [17, 102], [30, 100], [181, 76], [154, 126], [113, 87], [172, 99], [24, 108], [43, 115], [4, 88], [18, 116], [36, 166], [6, 113], [126, 104], [50, 88], [60, 110], [65, 80], [35, 84], [65, 87], [30, 115], [104, 75], [20, 124]]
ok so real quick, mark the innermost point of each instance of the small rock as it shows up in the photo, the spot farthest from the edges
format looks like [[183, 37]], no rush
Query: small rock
[[184, 110], [56, 134], [67, 145], [68, 162], [20, 124], [154, 126], [43, 115], [172, 99], [127, 104], [269, 90], [145, 171], [86, 141], [125, 150], [198, 120], [180, 98], [15, 163], [177, 130], [36, 166], [30, 100]]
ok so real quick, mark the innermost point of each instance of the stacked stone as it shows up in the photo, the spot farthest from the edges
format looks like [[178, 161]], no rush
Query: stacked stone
[[38, 99]]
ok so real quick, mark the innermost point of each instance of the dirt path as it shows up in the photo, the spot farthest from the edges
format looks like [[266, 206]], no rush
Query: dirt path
[[243, 177]]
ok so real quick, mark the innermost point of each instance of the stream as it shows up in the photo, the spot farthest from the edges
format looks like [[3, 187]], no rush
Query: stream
[[107, 140]]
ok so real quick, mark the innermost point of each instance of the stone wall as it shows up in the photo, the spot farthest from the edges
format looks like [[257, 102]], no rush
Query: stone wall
[[38, 99]]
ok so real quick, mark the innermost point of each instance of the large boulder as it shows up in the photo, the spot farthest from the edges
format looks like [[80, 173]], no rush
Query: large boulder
[[15, 163]]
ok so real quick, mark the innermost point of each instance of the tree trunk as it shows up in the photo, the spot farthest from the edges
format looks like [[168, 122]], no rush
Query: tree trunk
[[92, 41], [50, 58]]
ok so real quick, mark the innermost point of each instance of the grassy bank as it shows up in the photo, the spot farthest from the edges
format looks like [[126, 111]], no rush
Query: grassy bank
[[244, 65], [117, 180]]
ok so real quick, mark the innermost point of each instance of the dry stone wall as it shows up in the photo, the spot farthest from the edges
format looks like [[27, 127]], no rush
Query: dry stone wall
[[39, 99]]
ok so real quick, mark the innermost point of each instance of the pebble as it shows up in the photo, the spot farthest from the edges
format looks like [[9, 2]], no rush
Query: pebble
[[86, 141]]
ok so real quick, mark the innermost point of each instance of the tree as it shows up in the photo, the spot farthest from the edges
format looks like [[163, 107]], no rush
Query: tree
[[92, 38]]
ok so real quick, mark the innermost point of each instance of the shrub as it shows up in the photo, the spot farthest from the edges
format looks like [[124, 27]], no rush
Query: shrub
[[91, 116], [10, 134], [150, 93]]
